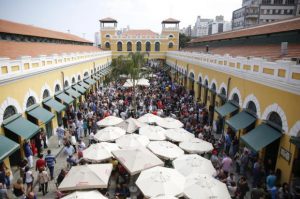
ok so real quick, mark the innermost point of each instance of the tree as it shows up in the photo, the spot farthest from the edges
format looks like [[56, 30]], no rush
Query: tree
[[183, 40]]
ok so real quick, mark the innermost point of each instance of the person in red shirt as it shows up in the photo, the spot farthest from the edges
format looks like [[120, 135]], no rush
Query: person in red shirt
[[40, 163]]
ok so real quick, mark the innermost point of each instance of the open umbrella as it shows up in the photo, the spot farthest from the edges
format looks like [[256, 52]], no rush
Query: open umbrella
[[109, 146], [149, 118], [127, 85], [110, 133], [160, 181], [137, 160], [109, 121], [165, 149], [153, 132], [85, 194], [164, 197], [192, 163], [132, 141], [91, 176], [196, 145], [96, 153], [169, 123], [130, 125], [143, 82], [178, 135], [205, 186]]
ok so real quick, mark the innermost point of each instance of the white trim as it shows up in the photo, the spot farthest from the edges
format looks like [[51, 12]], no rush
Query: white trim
[[46, 87], [30, 93], [295, 130], [237, 91], [252, 98], [9, 101], [216, 83], [276, 108], [223, 85]]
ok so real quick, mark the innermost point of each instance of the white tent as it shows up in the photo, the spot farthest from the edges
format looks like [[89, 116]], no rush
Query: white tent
[[178, 135], [110, 133], [109, 121], [84, 195], [160, 181], [137, 160], [92, 176], [192, 163], [153, 132], [196, 146], [130, 125], [205, 186], [169, 123], [165, 149], [149, 118], [132, 141], [127, 85], [96, 153], [109, 146]]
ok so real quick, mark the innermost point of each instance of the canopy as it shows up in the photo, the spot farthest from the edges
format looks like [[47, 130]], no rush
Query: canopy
[[160, 181], [132, 141], [205, 186], [57, 106], [40, 113], [192, 163], [165, 149], [260, 137], [153, 132], [110, 121], [137, 160], [109, 146], [226, 109], [21, 126], [79, 88], [241, 120], [109, 134], [130, 125], [65, 98], [84, 195], [178, 135], [84, 85], [169, 123], [72, 92], [7, 147], [196, 146], [96, 153], [149, 118], [90, 81], [164, 197], [90, 176]]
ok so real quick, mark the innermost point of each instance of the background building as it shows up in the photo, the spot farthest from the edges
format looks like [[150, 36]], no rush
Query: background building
[[97, 41]]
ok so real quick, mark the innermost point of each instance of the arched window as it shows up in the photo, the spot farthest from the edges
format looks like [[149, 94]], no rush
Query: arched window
[[107, 45], [213, 87], [46, 94], [138, 46], [252, 107], [79, 78], [157, 46], [129, 46], [171, 36], [236, 98], [171, 45], [9, 111], [200, 80], [66, 84], [73, 80], [30, 101], [148, 46], [119, 46], [223, 91], [192, 76], [275, 119], [206, 83], [86, 74], [57, 88], [107, 36]]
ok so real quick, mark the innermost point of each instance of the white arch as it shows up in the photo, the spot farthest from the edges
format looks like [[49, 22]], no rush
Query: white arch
[[106, 35], [237, 91], [223, 85], [46, 87], [295, 130], [148, 41], [276, 108], [216, 83], [206, 78], [192, 71], [84, 71], [68, 80], [30, 93], [252, 98], [120, 41], [137, 42], [9, 101]]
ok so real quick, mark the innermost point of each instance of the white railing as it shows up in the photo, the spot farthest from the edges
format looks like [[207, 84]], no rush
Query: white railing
[[140, 37]]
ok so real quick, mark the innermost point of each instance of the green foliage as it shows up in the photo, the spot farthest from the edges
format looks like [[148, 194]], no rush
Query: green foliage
[[183, 40]]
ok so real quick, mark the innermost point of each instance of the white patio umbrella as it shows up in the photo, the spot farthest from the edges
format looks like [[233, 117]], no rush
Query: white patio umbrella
[[85, 194], [137, 160], [152, 75], [149, 118], [205, 186], [192, 163], [178, 135], [109, 121], [165, 149], [164, 197], [91, 176], [196, 145], [143, 82], [130, 125], [109, 146], [132, 141], [127, 85], [110, 133], [169, 123], [96, 153], [160, 181], [153, 132]]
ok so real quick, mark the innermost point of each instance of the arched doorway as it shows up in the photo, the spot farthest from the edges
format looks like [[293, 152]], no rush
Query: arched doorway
[[157, 46], [107, 45], [191, 83], [46, 94], [138, 46], [205, 91], [129, 46], [235, 99], [57, 88], [30, 101], [119, 46], [222, 96], [148, 46], [199, 88], [66, 84], [211, 107]]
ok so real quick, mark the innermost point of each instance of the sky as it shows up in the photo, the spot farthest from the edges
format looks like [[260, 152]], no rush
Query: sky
[[81, 17]]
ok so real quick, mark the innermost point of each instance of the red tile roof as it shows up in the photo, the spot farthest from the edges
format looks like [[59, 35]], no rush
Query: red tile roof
[[170, 20], [14, 50], [108, 19], [139, 32], [275, 27], [23, 29]]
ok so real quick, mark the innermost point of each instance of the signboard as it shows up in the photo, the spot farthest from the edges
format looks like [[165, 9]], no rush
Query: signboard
[[285, 154]]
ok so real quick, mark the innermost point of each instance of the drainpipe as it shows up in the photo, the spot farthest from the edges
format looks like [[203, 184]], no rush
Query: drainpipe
[[63, 80]]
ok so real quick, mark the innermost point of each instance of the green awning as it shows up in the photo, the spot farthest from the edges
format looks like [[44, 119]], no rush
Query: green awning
[[241, 121], [226, 109], [7, 147], [57, 106], [40, 113], [79, 88], [90, 81], [96, 77], [21, 126], [65, 98], [72, 92], [83, 84], [295, 140], [260, 137]]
